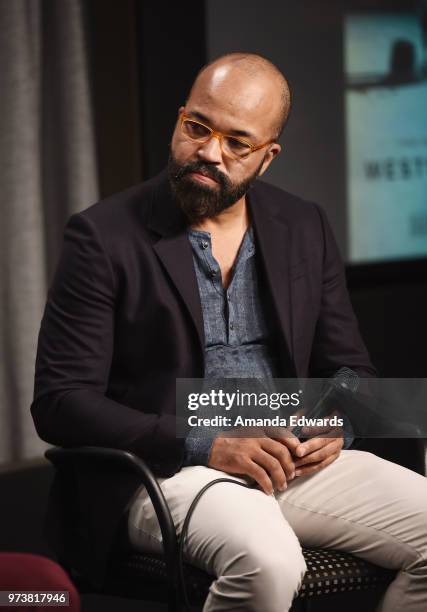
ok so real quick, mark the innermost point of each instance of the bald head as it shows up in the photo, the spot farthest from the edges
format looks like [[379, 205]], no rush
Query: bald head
[[260, 81]]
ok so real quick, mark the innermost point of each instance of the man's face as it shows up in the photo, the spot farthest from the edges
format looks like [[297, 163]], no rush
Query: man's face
[[205, 180]]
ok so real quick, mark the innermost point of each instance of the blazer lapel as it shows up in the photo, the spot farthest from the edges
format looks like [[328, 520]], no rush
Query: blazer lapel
[[273, 237], [176, 256], [174, 251]]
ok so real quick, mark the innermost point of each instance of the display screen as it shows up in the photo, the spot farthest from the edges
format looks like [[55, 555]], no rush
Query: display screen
[[385, 63]]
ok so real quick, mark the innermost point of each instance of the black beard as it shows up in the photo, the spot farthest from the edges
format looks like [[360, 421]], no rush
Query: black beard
[[199, 201]]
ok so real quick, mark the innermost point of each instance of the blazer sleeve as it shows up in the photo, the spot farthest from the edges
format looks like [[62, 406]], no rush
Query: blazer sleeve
[[337, 340], [74, 356]]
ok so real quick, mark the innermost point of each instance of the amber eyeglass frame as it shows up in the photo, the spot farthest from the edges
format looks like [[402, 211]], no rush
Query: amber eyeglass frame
[[220, 136]]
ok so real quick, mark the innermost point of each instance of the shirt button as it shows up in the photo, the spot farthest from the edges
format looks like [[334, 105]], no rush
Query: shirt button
[[204, 244], [231, 326], [212, 273]]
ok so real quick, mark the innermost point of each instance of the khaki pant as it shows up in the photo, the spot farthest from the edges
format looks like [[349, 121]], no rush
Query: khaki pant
[[251, 542]]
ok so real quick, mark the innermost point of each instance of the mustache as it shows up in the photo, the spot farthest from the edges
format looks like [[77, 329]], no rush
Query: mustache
[[203, 168]]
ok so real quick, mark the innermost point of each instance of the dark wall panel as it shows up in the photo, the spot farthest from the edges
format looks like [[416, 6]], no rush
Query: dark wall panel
[[171, 52], [111, 33]]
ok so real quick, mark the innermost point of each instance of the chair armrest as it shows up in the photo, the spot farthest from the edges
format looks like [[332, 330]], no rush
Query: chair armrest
[[121, 458]]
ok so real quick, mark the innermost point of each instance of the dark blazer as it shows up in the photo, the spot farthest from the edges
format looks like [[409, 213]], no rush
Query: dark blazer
[[123, 320]]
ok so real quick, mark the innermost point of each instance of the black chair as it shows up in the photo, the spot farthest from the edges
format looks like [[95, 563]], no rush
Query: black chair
[[156, 577]]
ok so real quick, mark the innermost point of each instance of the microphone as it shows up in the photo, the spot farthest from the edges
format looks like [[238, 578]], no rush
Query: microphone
[[344, 381]]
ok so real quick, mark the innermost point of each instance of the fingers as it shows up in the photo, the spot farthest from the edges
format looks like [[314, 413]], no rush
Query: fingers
[[315, 467], [247, 456], [258, 473], [290, 441], [284, 436], [281, 453], [313, 444], [276, 463], [273, 468], [322, 453]]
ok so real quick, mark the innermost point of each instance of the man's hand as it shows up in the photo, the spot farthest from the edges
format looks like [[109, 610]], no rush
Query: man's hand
[[319, 451], [268, 461]]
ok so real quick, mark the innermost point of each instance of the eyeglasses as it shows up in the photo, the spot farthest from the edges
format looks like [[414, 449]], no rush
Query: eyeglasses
[[235, 148]]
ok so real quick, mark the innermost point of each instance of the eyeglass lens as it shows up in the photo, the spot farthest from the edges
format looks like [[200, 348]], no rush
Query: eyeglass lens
[[232, 146]]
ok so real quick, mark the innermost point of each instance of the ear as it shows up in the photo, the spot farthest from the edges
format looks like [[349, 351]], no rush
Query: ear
[[273, 150]]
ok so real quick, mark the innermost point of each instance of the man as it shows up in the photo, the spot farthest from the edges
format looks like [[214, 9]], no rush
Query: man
[[209, 273]]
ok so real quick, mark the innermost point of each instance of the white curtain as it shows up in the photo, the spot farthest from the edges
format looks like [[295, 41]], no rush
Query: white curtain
[[48, 170]]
